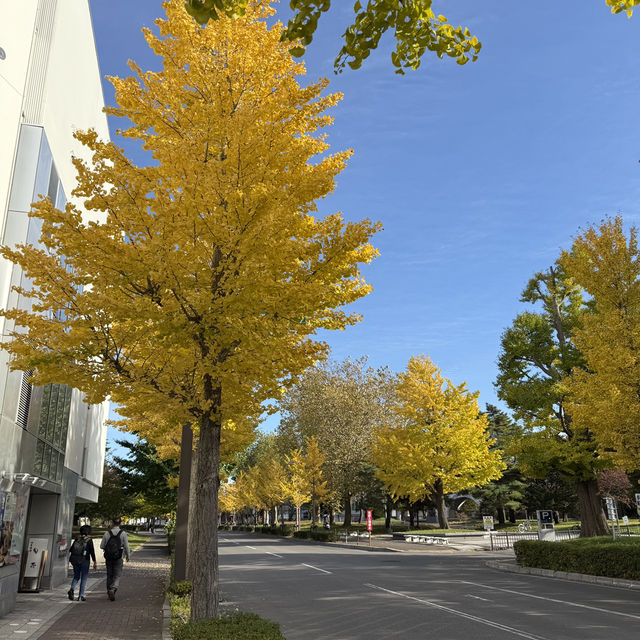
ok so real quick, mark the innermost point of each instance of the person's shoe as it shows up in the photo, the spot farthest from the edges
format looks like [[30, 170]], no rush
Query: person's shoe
[[81, 598], [111, 594], [70, 594]]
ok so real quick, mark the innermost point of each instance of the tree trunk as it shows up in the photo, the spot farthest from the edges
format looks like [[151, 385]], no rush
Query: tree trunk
[[592, 516], [417, 516], [412, 520], [438, 500], [501, 515], [205, 596], [314, 521], [192, 557], [387, 516], [347, 510], [512, 516]]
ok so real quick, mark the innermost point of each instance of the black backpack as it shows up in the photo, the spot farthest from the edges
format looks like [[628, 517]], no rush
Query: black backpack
[[113, 548], [79, 550]]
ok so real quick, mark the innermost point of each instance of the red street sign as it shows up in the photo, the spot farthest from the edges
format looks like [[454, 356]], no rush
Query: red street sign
[[369, 520]]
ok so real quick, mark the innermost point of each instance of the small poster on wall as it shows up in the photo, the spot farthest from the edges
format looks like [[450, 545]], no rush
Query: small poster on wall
[[13, 510]]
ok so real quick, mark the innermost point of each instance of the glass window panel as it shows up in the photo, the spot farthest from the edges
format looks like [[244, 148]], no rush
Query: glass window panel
[[52, 190], [53, 470], [44, 410], [46, 461], [61, 200], [65, 418], [43, 173], [37, 464], [60, 467], [53, 410], [59, 422]]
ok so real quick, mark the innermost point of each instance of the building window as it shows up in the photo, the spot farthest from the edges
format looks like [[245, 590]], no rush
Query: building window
[[52, 431]]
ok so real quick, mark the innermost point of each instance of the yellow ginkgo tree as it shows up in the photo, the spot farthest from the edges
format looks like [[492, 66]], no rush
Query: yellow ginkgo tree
[[314, 460], [603, 395], [189, 290], [296, 486], [438, 442]]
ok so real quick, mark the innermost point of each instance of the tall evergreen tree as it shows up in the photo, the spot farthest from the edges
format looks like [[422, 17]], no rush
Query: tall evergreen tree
[[536, 359]]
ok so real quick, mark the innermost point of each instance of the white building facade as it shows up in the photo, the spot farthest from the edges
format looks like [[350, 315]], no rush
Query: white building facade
[[52, 443]]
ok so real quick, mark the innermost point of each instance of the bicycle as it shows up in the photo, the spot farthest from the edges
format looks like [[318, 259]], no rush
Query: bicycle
[[524, 526]]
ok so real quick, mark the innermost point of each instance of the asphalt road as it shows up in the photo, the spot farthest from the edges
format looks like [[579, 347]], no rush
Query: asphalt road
[[317, 592]]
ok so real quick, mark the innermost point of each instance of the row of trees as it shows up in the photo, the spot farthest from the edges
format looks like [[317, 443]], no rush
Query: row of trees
[[568, 369], [350, 430]]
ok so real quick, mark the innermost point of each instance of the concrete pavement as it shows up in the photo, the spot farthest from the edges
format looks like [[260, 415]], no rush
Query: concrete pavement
[[136, 613]]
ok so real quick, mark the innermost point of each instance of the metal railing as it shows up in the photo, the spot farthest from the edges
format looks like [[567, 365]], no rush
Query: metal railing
[[505, 540]]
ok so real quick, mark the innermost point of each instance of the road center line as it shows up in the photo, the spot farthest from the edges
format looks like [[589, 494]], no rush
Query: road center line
[[469, 595], [273, 554], [316, 568], [462, 614], [571, 604]]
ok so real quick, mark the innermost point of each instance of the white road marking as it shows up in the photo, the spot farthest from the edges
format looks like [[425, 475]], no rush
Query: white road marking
[[477, 598], [316, 568], [462, 614], [248, 547], [273, 554], [571, 604]]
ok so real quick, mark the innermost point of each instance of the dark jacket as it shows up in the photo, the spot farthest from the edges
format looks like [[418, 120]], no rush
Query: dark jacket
[[90, 550]]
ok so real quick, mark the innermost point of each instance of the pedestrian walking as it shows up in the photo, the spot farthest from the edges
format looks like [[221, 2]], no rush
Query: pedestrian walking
[[115, 545], [81, 554]]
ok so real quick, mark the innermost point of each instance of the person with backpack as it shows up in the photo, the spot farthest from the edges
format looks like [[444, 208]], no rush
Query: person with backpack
[[80, 555], [114, 544]]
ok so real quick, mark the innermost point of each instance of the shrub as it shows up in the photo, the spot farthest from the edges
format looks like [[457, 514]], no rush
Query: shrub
[[239, 626], [182, 588], [593, 556]]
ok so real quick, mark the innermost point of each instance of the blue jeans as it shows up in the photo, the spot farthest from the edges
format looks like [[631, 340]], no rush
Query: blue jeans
[[80, 573]]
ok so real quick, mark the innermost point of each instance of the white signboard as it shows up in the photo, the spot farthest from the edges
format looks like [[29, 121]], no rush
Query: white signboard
[[34, 556], [625, 519], [612, 512], [488, 523]]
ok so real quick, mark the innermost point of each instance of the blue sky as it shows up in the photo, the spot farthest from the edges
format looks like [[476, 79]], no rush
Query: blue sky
[[480, 174]]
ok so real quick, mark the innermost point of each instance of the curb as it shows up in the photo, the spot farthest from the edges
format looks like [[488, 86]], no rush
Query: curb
[[166, 619], [512, 567]]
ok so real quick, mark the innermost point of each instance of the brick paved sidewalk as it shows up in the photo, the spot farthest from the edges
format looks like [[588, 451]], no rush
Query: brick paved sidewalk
[[136, 614]]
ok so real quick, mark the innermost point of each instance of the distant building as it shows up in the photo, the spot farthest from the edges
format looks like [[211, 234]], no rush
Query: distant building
[[51, 443]]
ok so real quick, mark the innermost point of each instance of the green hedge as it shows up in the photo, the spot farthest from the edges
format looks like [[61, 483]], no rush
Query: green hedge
[[239, 626], [593, 556], [324, 535]]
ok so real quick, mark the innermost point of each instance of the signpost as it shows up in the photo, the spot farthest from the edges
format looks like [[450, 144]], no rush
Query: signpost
[[487, 521], [612, 513], [546, 529], [369, 523]]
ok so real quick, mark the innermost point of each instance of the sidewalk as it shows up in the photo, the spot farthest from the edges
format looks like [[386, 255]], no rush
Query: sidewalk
[[136, 612]]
